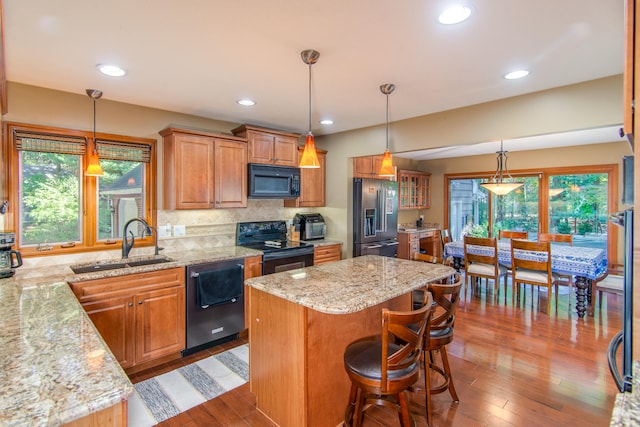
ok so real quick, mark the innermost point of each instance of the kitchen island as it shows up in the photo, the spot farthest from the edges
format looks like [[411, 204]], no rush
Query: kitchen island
[[302, 320]]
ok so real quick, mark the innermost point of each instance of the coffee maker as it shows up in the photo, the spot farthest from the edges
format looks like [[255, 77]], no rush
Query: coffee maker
[[9, 258]]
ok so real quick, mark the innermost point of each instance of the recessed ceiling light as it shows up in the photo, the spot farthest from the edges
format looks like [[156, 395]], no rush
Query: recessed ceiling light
[[111, 70], [326, 122], [246, 102], [518, 74], [454, 15]]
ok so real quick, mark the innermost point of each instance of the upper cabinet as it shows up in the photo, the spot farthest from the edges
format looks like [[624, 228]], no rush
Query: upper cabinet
[[269, 146], [203, 171], [368, 167], [414, 189], [312, 184], [629, 69]]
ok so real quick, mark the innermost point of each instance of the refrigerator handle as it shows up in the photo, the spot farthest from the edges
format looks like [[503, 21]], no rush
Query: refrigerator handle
[[380, 199], [613, 363]]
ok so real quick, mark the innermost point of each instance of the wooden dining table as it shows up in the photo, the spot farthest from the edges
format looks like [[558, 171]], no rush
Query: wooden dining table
[[584, 264]]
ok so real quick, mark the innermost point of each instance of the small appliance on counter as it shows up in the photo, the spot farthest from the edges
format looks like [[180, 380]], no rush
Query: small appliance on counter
[[312, 226], [9, 259]]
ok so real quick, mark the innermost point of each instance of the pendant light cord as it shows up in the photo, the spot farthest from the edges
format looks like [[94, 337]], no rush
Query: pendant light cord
[[310, 97], [387, 122]]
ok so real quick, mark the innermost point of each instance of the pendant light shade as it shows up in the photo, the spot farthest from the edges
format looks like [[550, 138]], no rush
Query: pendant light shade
[[496, 184], [386, 168], [94, 168], [309, 156]]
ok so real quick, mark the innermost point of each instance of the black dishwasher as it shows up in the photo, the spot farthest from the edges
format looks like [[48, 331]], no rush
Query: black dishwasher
[[215, 303]]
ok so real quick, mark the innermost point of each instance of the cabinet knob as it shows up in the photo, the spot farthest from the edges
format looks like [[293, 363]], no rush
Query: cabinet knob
[[130, 304], [139, 302]]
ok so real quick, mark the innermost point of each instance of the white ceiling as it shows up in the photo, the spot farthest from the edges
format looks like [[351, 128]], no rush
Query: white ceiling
[[200, 56]]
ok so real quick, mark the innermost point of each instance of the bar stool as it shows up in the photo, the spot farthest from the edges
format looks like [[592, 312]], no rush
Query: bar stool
[[383, 368], [445, 301]]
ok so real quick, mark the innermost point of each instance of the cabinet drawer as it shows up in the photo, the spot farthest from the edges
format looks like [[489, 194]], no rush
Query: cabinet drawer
[[111, 287], [324, 254]]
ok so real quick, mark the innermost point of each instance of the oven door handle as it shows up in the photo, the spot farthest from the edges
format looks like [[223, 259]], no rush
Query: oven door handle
[[373, 247]]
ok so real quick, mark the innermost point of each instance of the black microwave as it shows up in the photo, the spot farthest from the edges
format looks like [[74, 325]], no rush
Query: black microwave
[[273, 182]]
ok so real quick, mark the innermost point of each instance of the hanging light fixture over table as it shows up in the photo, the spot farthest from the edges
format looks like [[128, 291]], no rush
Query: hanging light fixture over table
[[386, 168], [309, 156], [94, 168], [496, 184]]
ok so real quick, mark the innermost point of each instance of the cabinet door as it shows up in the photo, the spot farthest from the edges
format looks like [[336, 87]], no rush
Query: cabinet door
[[368, 167], [230, 174], [193, 172], [312, 184], [260, 147], [160, 323], [113, 318], [252, 268], [285, 151]]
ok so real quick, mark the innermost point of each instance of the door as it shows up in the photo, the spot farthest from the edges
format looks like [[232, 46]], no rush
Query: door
[[388, 201], [113, 318], [230, 174], [160, 323], [194, 172]]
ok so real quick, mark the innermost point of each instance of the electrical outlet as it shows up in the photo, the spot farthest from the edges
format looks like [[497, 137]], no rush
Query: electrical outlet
[[164, 231], [421, 217], [179, 230]]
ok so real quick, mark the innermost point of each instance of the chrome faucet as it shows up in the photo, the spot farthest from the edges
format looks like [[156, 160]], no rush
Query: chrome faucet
[[127, 244]]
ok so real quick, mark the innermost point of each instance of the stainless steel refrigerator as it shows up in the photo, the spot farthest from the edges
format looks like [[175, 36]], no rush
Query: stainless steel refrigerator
[[375, 217], [624, 377]]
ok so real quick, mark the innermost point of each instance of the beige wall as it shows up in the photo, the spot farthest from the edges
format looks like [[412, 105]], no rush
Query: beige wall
[[593, 104], [587, 105]]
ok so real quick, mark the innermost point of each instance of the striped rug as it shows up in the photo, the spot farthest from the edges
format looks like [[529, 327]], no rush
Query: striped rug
[[166, 395]]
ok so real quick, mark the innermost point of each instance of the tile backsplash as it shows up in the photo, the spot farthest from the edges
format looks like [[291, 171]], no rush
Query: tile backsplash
[[206, 228]]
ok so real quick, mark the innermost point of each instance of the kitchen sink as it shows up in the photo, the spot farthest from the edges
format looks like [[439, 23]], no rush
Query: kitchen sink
[[138, 263], [104, 266]]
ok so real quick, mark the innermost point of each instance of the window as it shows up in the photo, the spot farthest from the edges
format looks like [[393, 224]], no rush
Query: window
[[573, 201], [55, 208]]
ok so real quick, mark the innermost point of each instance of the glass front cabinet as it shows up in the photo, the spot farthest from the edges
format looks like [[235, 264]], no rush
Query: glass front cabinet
[[415, 189]]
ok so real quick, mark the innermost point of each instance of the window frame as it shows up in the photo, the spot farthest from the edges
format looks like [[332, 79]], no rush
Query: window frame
[[88, 194], [612, 170]]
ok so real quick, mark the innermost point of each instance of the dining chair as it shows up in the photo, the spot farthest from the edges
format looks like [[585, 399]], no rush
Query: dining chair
[[445, 237], [510, 234], [382, 368], [531, 264], [481, 262], [418, 294], [563, 279]]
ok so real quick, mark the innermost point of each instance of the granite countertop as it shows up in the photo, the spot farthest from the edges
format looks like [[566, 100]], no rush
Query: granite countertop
[[626, 409], [352, 284], [323, 242], [416, 229], [54, 366]]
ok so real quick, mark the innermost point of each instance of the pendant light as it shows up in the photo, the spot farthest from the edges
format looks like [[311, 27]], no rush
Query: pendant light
[[496, 184], [309, 156], [94, 168], [386, 169]]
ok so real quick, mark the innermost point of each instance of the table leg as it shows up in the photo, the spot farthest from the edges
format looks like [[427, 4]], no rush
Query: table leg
[[457, 263], [582, 290]]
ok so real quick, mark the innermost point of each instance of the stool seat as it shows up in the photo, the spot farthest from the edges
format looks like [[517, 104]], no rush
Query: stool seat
[[363, 358]]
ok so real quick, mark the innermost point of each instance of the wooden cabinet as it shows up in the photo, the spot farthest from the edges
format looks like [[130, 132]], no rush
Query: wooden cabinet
[[252, 268], [414, 190], [312, 184], [411, 242], [327, 253], [140, 316], [368, 167], [269, 146], [203, 171], [629, 71]]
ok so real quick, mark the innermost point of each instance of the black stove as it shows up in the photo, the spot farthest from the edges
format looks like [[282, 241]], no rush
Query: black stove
[[270, 237]]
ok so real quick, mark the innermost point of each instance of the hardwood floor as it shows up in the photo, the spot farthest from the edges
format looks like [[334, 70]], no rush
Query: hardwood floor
[[511, 367]]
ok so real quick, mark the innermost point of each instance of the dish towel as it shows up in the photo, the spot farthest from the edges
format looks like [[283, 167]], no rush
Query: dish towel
[[219, 286]]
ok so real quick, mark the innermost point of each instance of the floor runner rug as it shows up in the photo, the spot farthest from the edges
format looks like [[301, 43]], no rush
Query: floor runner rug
[[164, 396]]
